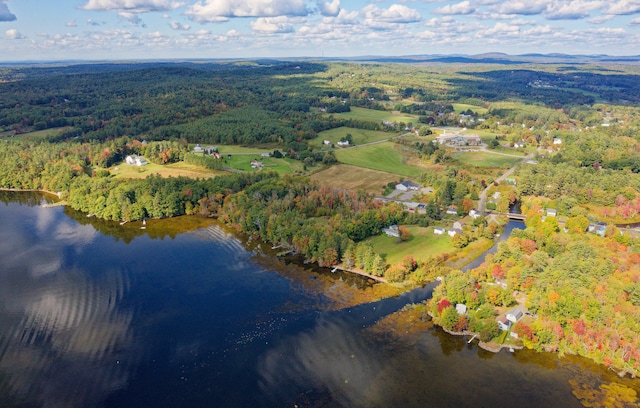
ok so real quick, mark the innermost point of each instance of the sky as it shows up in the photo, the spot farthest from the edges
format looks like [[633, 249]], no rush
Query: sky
[[42, 30]]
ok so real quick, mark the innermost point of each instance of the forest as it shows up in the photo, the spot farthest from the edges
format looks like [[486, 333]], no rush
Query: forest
[[68, 128]]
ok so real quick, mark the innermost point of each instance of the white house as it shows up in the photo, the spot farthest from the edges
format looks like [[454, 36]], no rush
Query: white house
[[474, 214], [461, 309], [514, 315], [459, 225], [453, 231], [407, 185], [327, 142], [452, 211], [392, 231], [265, 154], [198, 149], [557, 141], [438, 230], [504, 323], [135, 160], [343, 143], [551, 212]]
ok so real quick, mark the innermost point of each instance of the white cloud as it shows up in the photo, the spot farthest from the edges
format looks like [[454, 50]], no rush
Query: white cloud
[[571, 10], [94, 23], [329, 9], [5, 14], [635, 21], [460, 8], [623, 7], [221, 10], [343, 17], [179, 26], [133, 18], [527, 8], [273, 25], [132, 6], [396, 13], [14, 34], [600, 19], [71, 23]]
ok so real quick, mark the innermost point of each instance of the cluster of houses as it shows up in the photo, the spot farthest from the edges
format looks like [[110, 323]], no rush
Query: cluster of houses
[[454, 139]]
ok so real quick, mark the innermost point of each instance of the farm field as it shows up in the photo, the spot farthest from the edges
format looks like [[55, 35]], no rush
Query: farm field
[[381, 156], [124, 170], [359, 136], [378, 116], [482, 159], [422, 244], [353, 178]]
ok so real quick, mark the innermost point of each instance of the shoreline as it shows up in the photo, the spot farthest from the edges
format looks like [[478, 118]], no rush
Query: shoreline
[[32, 190]]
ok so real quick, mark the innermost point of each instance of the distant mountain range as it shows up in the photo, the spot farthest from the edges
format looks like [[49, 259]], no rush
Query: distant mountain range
[[500, 58], [486, 58]]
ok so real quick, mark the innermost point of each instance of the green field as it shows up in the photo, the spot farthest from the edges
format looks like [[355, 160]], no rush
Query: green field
[[482, 159], [359, 136], [462, 107], [281, 166], [378, 115], [38, 134], [422, 244], [231, 149], [381, 156]]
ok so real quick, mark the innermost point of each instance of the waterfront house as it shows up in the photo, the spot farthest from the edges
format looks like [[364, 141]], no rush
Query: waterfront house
[[514, 315], [438, 230], [504, 323]]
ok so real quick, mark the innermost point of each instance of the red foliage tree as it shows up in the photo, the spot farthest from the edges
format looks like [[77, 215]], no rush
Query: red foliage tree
[[443, 304]]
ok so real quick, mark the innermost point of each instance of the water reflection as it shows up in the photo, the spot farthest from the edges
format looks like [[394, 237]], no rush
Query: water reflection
[[59, 324]]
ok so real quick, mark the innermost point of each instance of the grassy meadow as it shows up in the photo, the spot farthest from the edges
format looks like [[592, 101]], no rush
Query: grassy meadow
[[463, 107], [422, 245], [353, 178], [378, 115], [382, 157], [41, 134], [124, 170], [359, 136], [482, 159]]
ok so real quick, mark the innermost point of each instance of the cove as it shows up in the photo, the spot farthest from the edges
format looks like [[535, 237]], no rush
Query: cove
[[185, 313]]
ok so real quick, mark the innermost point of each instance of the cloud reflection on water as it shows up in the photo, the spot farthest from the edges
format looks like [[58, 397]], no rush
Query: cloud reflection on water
[[59, 326]]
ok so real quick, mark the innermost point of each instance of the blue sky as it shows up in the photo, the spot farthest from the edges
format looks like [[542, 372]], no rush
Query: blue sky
[[147, 29]]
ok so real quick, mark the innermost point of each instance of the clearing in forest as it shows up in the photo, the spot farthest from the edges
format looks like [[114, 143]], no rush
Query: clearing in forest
[[354, 178], [380, 156]]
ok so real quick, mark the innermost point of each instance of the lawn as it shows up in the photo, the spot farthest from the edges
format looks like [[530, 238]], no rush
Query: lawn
[[482, 159], [378, 115], [347, 177], [381, 156], [281, 166], [359, 136], [422, 245]]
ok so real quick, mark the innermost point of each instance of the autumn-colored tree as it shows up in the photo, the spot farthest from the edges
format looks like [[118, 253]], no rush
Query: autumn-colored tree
[[405, 235]]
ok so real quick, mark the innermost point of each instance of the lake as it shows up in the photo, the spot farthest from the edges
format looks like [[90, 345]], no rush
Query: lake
[[186, 313]]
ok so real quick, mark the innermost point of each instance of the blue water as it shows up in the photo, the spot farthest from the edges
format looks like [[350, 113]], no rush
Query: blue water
[[196, 319]]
